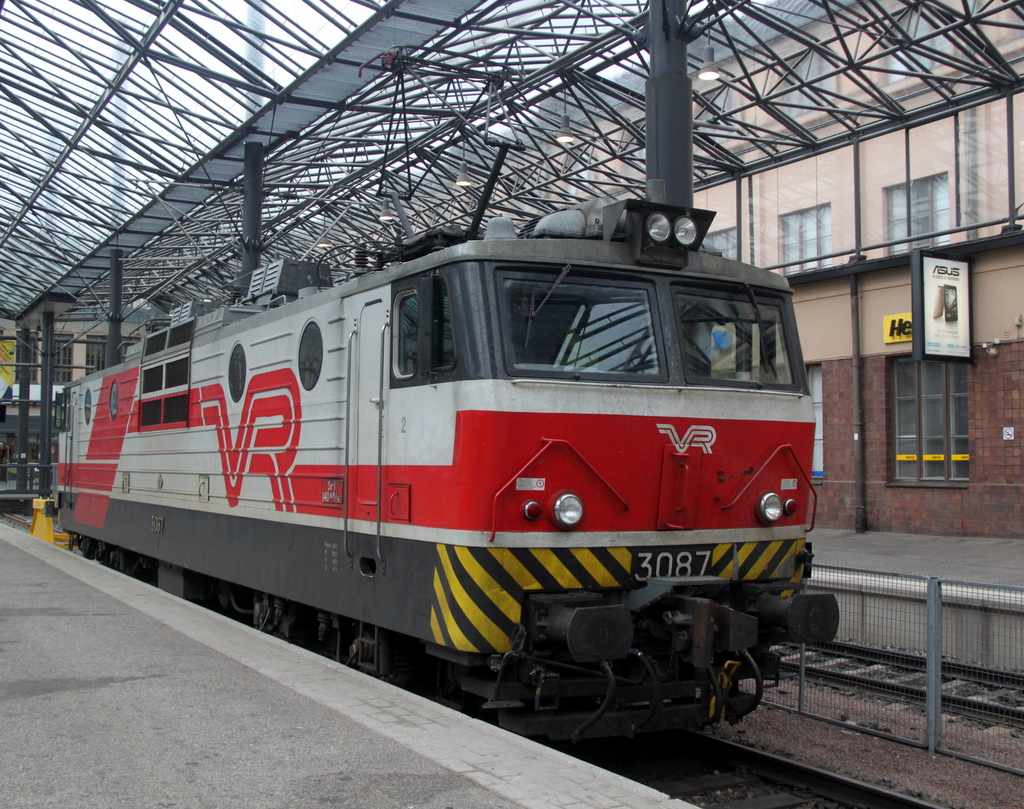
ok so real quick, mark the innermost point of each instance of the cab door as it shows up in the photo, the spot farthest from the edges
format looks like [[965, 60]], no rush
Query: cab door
[[67, 451], [369, 347]]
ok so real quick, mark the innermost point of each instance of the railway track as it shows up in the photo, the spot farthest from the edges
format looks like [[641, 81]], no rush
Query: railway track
[[712, 772], [971, 690], [776, 771]]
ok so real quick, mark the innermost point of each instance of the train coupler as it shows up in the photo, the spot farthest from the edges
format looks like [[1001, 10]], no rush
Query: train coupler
[[545, 694], [500, 666]]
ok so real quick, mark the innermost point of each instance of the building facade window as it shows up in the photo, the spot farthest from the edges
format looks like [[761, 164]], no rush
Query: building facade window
[[818, 459], [930, 421], [806, 234], [63, 359], [928, 211], [721, 241], [95, 356]]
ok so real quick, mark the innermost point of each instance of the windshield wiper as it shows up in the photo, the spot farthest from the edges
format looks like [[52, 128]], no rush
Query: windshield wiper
[[766, 359], [533, 312]]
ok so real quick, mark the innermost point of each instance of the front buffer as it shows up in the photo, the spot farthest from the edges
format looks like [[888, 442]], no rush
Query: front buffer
[[574, 642]]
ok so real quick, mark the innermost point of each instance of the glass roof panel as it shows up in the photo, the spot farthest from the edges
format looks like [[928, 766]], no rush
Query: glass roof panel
[[122, 123]]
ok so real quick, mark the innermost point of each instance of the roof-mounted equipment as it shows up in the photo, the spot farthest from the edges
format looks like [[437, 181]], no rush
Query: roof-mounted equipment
[[286, 277], [658, 233]]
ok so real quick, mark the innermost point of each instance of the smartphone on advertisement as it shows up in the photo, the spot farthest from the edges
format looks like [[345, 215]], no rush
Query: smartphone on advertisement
[[949, 307]]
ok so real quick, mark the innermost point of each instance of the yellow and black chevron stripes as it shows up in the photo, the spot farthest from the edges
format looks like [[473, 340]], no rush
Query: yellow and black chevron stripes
[[478, 592], [754, 560]]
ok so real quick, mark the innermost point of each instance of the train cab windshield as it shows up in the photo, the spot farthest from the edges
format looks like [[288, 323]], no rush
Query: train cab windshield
[[571, 325], [729, 338], [580, 327]]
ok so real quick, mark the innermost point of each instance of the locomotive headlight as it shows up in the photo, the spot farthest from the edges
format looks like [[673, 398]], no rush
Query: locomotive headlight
[[685, 230], [658, 227], [769, 508], [567, 510], [658, 234]]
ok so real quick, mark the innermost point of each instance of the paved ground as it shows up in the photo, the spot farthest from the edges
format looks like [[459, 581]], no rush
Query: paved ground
[[975, 559], [115, 695]]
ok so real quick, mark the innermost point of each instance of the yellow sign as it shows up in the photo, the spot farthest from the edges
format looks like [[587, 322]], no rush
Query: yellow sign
[[897, 328], [7, 354]]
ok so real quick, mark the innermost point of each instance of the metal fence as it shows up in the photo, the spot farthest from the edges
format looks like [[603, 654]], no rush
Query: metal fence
[[933, 662], [27, 479]]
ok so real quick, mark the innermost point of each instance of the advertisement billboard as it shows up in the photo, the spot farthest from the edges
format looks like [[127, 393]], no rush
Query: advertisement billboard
[[7, 360], [941, 293]]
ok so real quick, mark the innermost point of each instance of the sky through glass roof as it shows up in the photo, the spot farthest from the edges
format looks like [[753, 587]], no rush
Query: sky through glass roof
[[122, 123]]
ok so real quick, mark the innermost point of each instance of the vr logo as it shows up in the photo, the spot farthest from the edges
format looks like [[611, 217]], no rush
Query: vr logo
[[698, 435]]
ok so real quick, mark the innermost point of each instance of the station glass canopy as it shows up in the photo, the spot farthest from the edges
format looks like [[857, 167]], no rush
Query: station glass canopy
[[123, 122]]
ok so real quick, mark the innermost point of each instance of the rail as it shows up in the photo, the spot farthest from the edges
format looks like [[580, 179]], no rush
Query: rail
[[830, 785], [937, 663]]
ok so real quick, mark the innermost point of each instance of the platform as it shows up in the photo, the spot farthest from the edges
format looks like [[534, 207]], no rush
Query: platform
[[115, 694], [985, 560]]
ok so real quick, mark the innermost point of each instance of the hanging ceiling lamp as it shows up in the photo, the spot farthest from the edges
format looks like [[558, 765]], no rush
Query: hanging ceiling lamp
[[386, 214], [708, 71], [564, 134], [463, 180]]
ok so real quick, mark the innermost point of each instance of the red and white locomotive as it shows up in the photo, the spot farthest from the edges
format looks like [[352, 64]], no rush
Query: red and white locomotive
[[568, 471]]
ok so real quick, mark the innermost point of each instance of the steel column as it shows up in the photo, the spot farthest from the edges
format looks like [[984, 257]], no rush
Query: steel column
[[114, 315], [24, 373], [46, 405], [860, 518], [252, 210], [1011, 167], [933, 665], [669, 106]]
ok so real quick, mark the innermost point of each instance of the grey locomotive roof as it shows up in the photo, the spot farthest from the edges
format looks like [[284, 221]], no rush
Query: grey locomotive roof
[[578, 252], [591, 252]]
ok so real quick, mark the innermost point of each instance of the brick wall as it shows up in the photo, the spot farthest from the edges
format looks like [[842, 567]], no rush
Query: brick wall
[[993, 502]]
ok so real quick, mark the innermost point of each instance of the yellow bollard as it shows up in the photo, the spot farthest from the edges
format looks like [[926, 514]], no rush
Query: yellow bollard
[[42, 523]]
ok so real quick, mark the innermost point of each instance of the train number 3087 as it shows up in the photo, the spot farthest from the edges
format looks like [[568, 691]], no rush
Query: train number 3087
[[672, 564]]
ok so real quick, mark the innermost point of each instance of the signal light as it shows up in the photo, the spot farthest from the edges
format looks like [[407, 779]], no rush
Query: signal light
[[658, 227], [567, 510], [658, 233], [685, 230], [770, 508]]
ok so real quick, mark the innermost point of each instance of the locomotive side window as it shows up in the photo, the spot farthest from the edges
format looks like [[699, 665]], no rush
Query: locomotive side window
[[734, 338], [311, 355], [443, 341], [115, 400], [580, 327], [407, 333], [236, 372]]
